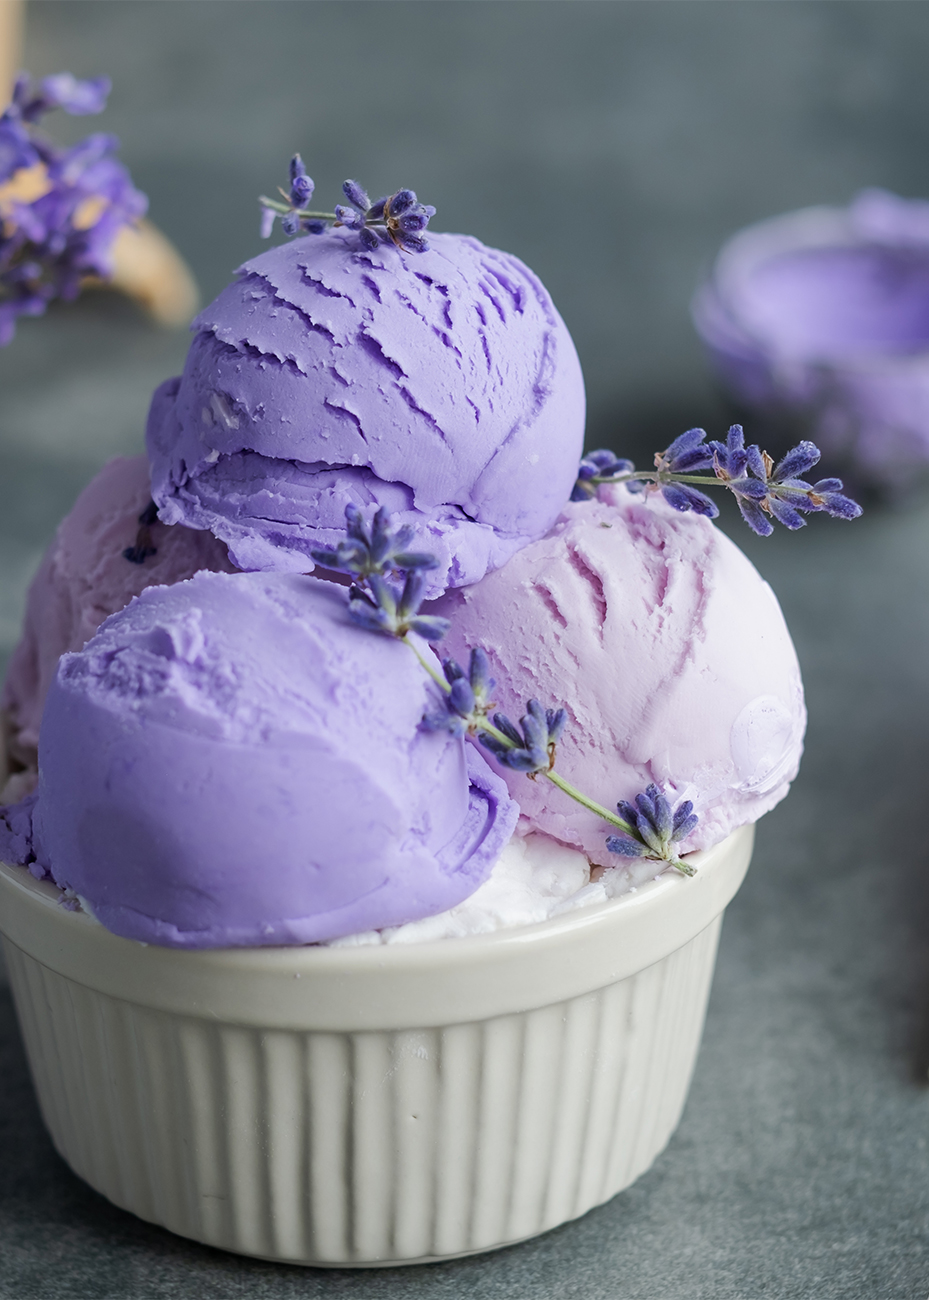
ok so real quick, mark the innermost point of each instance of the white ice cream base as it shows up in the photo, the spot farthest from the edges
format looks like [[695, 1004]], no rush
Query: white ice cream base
[[534, 879]]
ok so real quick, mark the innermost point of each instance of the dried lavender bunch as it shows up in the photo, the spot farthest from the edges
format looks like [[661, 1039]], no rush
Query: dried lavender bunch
[[386, 596], [60, 209], [764, 491], [397, 219]]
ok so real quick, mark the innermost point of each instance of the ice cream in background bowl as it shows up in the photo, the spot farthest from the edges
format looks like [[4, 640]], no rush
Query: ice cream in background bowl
[[819, 320], [288, 984]]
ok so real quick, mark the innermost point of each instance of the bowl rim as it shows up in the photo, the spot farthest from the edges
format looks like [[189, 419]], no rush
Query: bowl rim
[[402, 985], [807, 229]]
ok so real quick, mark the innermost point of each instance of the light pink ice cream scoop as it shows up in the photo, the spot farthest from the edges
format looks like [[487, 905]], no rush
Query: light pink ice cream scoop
[[669, 652], [84, 577]]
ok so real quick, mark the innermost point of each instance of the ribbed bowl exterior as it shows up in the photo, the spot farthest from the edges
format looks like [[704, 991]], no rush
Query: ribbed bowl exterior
[[366, 1146]]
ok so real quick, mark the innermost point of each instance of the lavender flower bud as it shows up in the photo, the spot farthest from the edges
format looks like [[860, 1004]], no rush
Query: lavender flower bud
[[301, 191], [797, 461], [348, 217], [355, 194], [413, 244], [785, 514], [401, 201], [687, 453], [684, 497], [297, 169]]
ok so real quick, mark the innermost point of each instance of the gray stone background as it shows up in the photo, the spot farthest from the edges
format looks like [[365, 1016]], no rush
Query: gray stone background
[[612, 146]]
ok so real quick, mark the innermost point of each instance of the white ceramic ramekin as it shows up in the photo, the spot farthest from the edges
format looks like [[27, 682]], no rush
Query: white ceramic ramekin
[[371, 1105]]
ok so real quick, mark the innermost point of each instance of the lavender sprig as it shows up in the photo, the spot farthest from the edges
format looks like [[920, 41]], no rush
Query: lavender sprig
[[378, 548], [686, 454], [533, 751], [467, 702], [397, 219], [654, 828], [763, 490], [371, 552], [394, 611], [464, 710], [60, 209], [296, 219]]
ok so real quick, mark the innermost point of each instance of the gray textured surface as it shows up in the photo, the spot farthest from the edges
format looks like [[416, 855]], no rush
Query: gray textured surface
[[612, 146]]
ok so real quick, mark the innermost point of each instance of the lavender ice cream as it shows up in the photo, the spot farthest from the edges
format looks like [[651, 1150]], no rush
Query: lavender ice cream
[[444, 386], [231, 761]]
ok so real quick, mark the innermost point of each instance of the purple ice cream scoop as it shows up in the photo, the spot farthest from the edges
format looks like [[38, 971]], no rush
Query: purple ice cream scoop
[[231, 761], [443, 386], [822, 315]]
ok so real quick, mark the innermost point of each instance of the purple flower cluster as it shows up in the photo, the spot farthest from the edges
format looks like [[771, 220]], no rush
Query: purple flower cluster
[[393, 610], [60, 209], [375, 548], [464, 708], [533, 750], [653, 828], [468, 700], [371, 552], [593, 469], [397, 219], [295, 221], [687, 454], [763, 490]]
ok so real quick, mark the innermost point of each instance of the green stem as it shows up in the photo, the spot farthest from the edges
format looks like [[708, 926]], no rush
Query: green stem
[[569, 789], [655, 476], [483, 725], [284, 208], [594, 807], [439, 681]]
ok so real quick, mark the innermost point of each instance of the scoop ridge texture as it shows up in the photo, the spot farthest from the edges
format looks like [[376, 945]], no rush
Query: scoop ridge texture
[[444, 386], [669, 652], [84, 578], [231, 761]]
